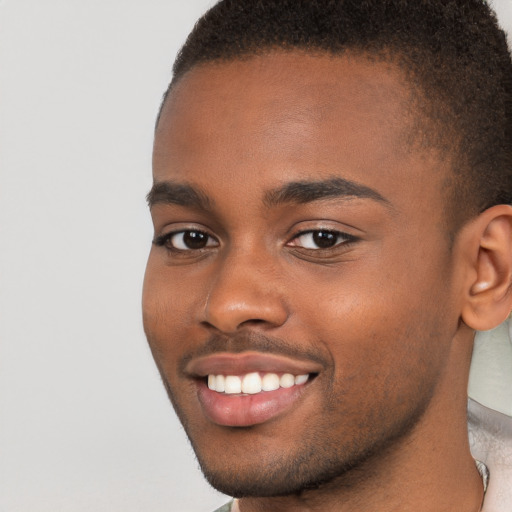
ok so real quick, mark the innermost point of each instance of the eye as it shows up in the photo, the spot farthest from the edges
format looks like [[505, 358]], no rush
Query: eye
[[188, 240], [321, 239]]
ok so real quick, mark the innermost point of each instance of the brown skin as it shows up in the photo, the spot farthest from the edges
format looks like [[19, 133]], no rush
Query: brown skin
[[382, 427]]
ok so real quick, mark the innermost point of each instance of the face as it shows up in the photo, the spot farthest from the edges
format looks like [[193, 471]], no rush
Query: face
[[300, 268]]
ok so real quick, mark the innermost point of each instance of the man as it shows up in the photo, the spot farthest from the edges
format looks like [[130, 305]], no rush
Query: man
[[331, 196]]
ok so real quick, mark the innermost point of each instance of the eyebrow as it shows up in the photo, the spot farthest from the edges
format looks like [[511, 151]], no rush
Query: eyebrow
[[298, 192], [301, 192], [181, 194]]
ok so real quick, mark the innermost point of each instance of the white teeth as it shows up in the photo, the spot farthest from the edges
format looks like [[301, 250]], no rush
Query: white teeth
[[220, 383], [270, 382], [232, 384], [253, 383], [287, 380], [301, 379]]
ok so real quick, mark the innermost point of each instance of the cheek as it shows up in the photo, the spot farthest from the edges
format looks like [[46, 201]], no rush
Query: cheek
[[377, 321], [164, 307], [169, 294], [386, 356]]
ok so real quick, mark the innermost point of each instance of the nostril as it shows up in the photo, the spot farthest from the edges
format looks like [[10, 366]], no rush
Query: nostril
[[235, 327], [255, 321]]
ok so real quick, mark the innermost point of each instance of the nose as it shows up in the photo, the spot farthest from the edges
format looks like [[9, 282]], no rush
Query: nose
[[245, 291]]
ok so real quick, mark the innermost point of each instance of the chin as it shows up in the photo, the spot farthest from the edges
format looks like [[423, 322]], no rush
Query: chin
[[266, 474], [312, 461], [268, 482]]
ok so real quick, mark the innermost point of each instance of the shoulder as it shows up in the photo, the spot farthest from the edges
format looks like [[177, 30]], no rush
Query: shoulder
[[225, 508]]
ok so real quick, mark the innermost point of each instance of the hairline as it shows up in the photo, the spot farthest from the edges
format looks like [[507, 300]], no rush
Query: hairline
[[429, 132]]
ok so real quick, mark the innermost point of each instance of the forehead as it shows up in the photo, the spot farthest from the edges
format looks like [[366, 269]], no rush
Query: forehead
[[282, 116]]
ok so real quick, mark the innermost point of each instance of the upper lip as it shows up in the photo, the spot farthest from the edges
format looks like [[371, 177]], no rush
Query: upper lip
[[226, 363]]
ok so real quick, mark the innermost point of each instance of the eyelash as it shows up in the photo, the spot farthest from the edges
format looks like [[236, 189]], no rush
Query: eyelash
[[166, 240], [342, 238]]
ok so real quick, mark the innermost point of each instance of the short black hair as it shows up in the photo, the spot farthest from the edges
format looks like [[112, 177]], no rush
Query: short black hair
[[453, 51]]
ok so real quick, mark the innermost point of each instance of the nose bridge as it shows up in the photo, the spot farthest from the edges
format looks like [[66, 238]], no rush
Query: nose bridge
[[245, 290]]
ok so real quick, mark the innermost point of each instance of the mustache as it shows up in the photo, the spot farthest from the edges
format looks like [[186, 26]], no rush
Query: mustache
[[253, 342]]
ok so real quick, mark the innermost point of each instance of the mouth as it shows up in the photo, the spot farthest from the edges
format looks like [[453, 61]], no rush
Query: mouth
[[242, 390], [254, 382]]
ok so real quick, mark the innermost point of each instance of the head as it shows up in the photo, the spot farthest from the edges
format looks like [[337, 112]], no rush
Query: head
[[331, 181], [460, 72]]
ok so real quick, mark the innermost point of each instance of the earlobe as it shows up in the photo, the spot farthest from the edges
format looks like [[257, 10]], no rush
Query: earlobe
[[489, 286]]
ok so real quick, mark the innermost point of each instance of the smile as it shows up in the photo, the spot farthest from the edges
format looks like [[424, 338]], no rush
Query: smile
[[254, 382], [250, 388]]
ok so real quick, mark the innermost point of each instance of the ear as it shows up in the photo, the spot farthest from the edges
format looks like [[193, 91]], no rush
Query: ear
[[488, 242]]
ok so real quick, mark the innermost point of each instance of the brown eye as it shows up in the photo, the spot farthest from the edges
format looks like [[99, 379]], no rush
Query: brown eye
[[190, 240], [195, 239], [321, 239], [325, 239]]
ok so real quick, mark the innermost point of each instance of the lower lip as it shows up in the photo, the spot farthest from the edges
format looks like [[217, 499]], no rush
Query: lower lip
[[246, 410]]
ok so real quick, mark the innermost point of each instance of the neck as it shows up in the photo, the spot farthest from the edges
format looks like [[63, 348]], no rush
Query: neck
[[430, 470]]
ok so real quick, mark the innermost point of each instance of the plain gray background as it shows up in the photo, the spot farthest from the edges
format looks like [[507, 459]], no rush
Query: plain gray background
[[85, 424]]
